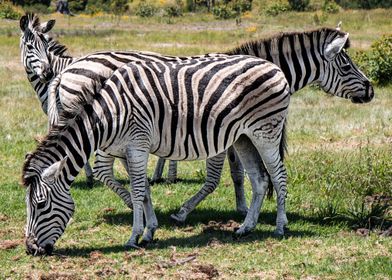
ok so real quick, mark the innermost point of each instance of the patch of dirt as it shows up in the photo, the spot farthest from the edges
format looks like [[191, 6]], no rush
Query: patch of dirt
[[387, 233], [362, 232], [213, 242], [221, 226], [59, 276], [3, 218], [106, 271], [10, 244], [207, 271], [177, 259]]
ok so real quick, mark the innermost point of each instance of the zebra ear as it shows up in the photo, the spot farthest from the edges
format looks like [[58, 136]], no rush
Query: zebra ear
[[339, 26], [335, 46], [24, 23], [47, 26], [51, 173]]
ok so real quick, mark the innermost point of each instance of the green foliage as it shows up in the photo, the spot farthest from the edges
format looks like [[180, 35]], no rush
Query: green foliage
[[364, 4], [174, 10], [8, 11], [77, 5], [96, 6], [330, 7], [38, 9], [145, 9], [231, 9], [119, 7], [31, 2], [320, 18], [299, 5], [367, 215], [224, 12], [377, 63], [276, 8]]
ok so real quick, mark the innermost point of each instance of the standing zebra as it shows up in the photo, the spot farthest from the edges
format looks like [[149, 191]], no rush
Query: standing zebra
[[188, 110], [317, 56]]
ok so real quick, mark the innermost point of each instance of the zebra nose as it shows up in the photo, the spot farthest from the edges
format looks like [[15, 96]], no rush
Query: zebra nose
[[369, 90]]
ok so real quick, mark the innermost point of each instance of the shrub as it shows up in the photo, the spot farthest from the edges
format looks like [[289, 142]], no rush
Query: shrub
[[330, 7], [8, 11], [276, 9], [174, 10], [224, 12], [299, 5], [364, 4], [37, 9], [241, 6], [145, 9], [377, 63], [77, 5]]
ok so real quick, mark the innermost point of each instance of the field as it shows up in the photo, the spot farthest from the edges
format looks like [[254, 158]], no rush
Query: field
[[339, 164]]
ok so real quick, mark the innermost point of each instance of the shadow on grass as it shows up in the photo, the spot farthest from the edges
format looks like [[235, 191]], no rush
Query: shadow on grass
[[160, 183], [202, 239]]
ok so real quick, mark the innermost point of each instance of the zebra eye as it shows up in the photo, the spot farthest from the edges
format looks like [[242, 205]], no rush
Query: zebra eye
[[346, 67], [41, 204], [29, 47]]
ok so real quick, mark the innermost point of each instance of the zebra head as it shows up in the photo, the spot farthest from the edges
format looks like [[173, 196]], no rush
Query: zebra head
[[341, 76], [34, 46], [49, 205]]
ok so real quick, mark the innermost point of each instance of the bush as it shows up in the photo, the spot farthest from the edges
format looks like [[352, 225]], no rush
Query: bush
[[37, 9], [364, 4], [299, 5], [276, 9], [77, 5], [174, 10], [377, 63], [330, 7], [8, 11], [241, 6], [224, 12], [145, 9]]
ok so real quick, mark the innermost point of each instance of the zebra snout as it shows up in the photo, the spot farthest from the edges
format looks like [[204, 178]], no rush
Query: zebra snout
[[46, 72], [32, 247]]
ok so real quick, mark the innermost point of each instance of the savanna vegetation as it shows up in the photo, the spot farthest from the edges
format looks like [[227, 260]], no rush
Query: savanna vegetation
[[339, 162]]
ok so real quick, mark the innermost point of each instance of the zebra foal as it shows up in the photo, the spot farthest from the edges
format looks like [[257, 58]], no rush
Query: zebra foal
[[188, 110]]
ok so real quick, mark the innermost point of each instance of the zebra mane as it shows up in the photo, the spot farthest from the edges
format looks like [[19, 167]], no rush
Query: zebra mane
[[253, 47], [52, 139], [56, 48]]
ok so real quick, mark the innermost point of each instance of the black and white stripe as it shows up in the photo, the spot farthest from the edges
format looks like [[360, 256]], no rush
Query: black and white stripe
[[194, 109], [317, 56]]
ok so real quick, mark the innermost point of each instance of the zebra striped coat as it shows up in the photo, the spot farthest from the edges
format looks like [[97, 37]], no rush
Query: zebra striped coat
[[316, 56], [194, 109]]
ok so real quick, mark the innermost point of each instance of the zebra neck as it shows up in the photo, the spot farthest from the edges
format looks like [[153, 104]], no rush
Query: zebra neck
[[59, 63], [297, 55], [40, 88]]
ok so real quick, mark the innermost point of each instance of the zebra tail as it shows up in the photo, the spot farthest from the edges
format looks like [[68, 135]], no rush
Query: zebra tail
[[282, 151], [53, 110]]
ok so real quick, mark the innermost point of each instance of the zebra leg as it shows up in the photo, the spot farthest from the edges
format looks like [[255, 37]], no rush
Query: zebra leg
[[151, 219], [214, 170], [158, 171], [237, 175], [137, 157], [251, 159], [273, 162], [172, 174], [103, 171], [89, 175]]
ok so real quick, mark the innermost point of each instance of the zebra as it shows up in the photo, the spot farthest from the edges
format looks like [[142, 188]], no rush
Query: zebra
[[154, 107], [303, 58], [44, 58]]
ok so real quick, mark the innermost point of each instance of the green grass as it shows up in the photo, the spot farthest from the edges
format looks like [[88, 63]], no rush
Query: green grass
[[339, 153]]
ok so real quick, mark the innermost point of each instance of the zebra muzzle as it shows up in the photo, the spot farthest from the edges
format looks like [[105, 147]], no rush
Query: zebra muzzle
[[32, 247]]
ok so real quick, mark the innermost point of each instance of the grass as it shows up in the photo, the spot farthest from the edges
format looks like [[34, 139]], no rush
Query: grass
[[339, 155]]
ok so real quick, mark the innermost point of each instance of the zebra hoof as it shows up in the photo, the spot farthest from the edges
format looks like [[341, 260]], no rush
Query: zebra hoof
[[90, 182], [279, 234], [176, 220], [240, 233], [132, 246]]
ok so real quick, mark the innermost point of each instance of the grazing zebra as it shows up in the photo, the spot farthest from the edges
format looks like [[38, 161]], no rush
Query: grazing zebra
[[187, 110], [317, 56], [43, 59]]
